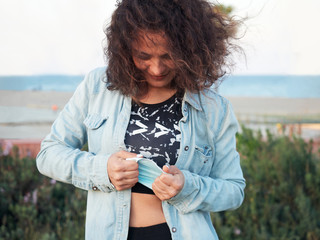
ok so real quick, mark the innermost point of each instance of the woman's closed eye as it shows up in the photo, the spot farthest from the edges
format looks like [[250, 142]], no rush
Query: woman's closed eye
[[143, 56], [166, 56]]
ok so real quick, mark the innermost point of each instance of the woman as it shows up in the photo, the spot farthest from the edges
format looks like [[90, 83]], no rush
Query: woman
[[154, 99]]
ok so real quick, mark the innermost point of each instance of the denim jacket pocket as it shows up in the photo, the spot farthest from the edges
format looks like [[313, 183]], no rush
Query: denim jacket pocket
[[94, 121], [204, 159], [95, 124]]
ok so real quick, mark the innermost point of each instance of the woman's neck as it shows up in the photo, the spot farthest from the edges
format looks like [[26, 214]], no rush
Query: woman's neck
[[154, 95]]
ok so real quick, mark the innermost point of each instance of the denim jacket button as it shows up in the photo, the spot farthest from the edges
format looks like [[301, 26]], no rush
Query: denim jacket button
[[94, 188], [186, 148], [173, 229]]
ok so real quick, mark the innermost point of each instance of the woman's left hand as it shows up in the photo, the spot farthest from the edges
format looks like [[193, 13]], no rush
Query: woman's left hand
[[168, 185]]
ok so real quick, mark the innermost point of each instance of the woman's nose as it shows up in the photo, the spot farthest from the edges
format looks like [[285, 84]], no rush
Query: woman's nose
[[157, 68]]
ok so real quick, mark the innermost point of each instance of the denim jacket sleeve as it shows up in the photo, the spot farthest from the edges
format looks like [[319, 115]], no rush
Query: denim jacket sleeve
[[60, 156], [223, 189]]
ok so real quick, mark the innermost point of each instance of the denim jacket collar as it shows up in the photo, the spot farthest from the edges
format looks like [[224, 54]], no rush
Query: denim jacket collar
[[193, 99]]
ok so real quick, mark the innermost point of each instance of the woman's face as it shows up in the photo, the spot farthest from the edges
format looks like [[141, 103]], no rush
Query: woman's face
[[150, 55]]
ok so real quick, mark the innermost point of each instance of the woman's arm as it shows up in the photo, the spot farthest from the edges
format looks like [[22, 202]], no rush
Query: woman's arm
[[60, 156]]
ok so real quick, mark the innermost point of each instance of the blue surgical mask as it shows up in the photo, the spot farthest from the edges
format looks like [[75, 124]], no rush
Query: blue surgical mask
[[148, 171]]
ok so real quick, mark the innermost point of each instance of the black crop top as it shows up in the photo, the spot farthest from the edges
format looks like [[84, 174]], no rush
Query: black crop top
[[153, 131]]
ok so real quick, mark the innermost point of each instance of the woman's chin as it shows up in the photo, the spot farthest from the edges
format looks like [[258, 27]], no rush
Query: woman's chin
[[159, 85]]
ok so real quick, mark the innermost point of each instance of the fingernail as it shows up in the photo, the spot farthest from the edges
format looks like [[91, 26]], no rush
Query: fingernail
[[168, 165], [139, 155]]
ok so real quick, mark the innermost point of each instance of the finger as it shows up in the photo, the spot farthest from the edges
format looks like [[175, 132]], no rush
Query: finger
[[130, 174], [158, 191], [175, 182], [172, 169], [124, 154], [124, 183], [120, 176], [162, 193], [165, 168], [127, 181], [130, 165], [161, 185], [167, 179], [123, 166]]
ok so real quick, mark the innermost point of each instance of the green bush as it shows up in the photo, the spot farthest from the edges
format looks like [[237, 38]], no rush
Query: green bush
[[283, 190], [282, 196], [35, 207]]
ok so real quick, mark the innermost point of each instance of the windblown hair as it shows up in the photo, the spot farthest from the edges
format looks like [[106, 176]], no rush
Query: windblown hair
[[198, 40]]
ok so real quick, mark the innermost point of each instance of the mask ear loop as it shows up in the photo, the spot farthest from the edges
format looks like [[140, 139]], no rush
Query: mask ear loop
[[137, 158]]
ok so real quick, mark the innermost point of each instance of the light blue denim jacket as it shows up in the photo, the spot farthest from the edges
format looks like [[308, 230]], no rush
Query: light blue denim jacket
[[208, 159]]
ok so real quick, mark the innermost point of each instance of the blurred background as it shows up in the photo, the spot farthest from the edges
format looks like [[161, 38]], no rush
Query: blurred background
[[46, 48]]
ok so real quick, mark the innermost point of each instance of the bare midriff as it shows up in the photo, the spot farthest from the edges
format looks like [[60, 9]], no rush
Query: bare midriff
[[146, 210]]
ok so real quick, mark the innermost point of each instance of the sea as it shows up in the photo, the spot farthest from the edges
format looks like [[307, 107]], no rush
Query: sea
[[284, 86]]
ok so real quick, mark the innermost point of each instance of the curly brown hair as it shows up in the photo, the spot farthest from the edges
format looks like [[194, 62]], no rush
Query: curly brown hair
[[198, 40]]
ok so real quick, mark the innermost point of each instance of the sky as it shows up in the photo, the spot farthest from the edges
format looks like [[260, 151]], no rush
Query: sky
[[65, 37]]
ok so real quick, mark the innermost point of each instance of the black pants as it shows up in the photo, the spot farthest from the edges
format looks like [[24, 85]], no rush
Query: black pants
[[155, 232]]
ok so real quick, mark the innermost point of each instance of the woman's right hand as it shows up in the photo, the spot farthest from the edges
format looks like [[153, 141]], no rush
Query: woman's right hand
[[123, 174]]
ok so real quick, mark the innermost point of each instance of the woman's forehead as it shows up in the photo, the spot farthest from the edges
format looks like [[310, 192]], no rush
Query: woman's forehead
[[150, 40]]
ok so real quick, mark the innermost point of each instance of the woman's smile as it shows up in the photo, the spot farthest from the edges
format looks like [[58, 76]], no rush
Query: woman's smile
[[159, 77]]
